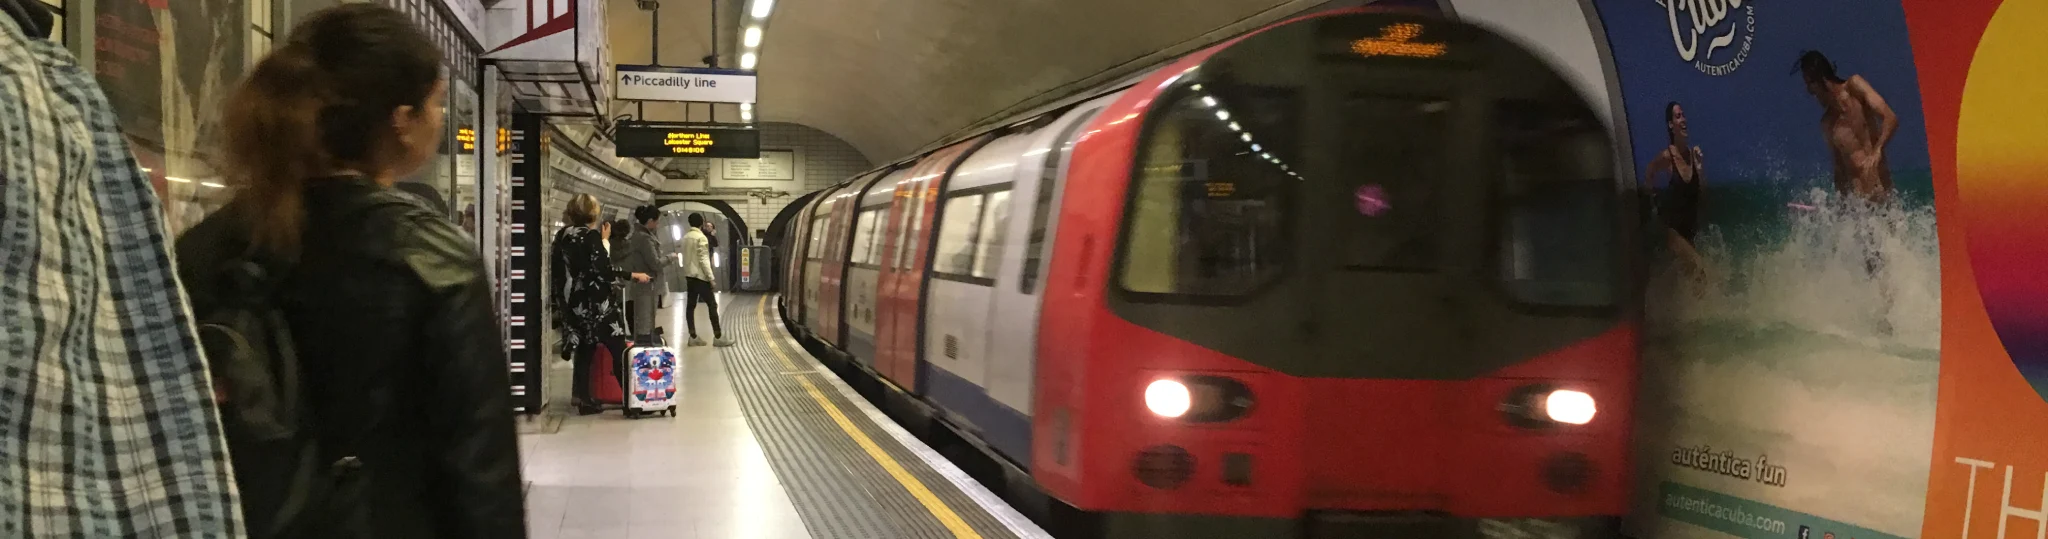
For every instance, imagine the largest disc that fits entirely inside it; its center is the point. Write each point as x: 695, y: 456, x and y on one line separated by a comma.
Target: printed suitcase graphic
x: 654, y: 381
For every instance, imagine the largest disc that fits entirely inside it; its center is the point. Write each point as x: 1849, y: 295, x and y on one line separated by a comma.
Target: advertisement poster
x: 1981, y: 71
x: 1793, y: 343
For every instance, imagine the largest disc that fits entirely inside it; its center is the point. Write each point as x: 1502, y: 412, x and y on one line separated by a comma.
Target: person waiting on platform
x: 639, y: 254
x: 699, y: 281
x: 381, y: 305
x: 586, y: 313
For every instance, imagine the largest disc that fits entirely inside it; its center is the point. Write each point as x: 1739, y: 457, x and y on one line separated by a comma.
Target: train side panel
x: 832, y: 274
x: 903, y: 284
x: 875, y: 205
x: 979, y: 199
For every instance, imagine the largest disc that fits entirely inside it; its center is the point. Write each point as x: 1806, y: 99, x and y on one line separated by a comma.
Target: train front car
x: 1360, y: 272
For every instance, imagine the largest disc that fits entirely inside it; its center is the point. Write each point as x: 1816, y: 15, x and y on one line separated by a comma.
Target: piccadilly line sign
x: 690, y: 84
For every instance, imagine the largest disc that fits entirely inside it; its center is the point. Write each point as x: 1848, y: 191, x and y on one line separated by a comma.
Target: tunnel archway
x: 731, y: 237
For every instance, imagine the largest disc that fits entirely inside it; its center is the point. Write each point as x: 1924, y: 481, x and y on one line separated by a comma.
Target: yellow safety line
x: 924, y: 495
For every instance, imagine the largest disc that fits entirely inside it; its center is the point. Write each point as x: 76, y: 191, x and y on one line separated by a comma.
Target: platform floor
x: 767, y: 444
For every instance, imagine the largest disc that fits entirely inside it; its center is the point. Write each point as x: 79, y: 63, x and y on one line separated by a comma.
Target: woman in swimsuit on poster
x: 1684, y: 171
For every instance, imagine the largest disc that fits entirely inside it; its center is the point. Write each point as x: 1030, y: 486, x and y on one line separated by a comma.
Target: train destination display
x: 639, y: 139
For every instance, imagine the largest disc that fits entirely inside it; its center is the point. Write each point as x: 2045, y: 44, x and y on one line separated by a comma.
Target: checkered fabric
x: 107, y: 426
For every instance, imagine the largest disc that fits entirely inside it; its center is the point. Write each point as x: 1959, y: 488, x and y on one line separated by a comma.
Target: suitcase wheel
x: 671, y: 411
x: 632, y: 413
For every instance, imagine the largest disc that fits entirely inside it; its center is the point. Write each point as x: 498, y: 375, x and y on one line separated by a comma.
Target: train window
x: 1557, y: 192
x: 1041, y: 207
x: 892, y: 237
x: 864, y: 237
x: 818, y: 233
x: 913, y: 230
x: 1207, y: 209
x: 1390, y: 222
x: 957, y: 230
x: 994, y: 218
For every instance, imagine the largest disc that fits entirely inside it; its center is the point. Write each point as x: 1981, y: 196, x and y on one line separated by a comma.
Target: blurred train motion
x: 1360, y: 272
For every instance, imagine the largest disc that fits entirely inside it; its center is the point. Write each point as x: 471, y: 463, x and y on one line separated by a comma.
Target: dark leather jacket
x: 403, y: 357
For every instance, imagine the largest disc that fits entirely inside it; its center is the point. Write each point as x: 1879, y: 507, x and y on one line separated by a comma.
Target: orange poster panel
x: 1986, y: 101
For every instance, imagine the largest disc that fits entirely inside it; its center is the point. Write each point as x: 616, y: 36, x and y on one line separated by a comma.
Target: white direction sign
x: 701, y: 85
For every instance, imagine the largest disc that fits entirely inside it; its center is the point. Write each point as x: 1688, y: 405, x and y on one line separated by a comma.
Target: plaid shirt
x: 107, y: 425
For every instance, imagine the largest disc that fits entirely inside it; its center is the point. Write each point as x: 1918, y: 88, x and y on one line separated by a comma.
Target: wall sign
x: 645, y: 139
x: 703, y: 85
x: 771, y: 165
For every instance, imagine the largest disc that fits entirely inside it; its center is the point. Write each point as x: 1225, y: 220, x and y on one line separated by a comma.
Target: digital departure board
x: 643, y: 139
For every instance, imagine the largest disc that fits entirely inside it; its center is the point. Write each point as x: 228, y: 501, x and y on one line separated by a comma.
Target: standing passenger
x: 106, y: 413
x: 640, y: 255
x: 697, y: 272
x: 586, y: 312
x: 406, y: 427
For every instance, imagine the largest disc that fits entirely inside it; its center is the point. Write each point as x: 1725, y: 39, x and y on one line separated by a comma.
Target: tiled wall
x: 823, y: 160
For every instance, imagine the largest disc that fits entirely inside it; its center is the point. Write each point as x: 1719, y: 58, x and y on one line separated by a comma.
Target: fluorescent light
x: 1208, y: 101
x: 1247, y: 137
x: 1256, y: 148
x: 1197, y: 87
x: 746, y: 106
x: 1222, y: 115
x: 762, y: 8
x: 1266, y: 155
x: 1235, y: 127
x: 753, y: 37
x: 177, y: 179
x: 211, y: 184
x: 747, y: 60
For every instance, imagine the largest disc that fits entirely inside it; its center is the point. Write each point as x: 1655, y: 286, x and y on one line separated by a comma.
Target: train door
x: 806, y: 259
x: 873, y: 205
x: 838, y: 223
x: 1029, y: 231
x: 903, y: 280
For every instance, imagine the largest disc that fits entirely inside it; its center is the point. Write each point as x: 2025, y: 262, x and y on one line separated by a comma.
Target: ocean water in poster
x: 1792, y: 349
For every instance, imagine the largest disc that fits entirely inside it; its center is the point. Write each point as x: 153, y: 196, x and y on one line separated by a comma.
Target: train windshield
x: 1306, y: 183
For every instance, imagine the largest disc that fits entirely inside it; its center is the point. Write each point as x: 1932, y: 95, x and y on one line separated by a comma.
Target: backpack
x: 272, y: 441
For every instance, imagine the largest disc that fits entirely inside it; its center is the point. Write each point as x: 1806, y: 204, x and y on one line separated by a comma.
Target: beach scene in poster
x: 1793, y: 336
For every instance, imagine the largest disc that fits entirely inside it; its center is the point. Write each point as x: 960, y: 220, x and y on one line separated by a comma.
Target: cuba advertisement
x: 1981, y: 72
x: 1793, y: 337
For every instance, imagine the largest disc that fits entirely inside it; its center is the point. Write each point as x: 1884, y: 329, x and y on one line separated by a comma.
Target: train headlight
x: 1198, y: 399
x: 1168, y: 398
x: 1567, y: 406
x: 1539, y: 406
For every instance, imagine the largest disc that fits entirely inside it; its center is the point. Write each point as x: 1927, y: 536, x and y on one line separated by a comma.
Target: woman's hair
x: 582, y: 211
x: 1670, y: 113
x: 322, y: 102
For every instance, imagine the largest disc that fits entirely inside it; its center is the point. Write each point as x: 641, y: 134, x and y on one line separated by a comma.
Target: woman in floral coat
x: 586, y: 312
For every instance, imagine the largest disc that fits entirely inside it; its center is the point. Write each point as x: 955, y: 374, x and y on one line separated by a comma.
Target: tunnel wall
x: 821, y: 160
x: 1818, y: 365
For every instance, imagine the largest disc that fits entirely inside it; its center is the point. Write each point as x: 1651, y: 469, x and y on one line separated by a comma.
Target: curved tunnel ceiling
x: 891, y: 76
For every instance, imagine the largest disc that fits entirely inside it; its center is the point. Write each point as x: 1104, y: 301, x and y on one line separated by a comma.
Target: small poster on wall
x: 772, y: 165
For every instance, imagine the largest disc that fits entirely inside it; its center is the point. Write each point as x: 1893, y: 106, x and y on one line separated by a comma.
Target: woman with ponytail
x: 402, y: 396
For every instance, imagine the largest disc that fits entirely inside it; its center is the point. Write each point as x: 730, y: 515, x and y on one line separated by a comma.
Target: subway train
x: 1362, y: 272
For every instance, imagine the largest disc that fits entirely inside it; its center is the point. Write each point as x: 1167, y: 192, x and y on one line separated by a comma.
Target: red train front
x: 1357, y: 272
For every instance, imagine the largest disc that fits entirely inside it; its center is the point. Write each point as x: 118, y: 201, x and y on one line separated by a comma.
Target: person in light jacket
x: 639, y: 254
x: 698, y: 279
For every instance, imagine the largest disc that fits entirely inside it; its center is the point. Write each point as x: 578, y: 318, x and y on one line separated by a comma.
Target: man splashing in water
x: 1857, y: 124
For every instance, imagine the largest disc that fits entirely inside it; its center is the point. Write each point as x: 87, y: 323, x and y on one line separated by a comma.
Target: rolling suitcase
x: 604, y: 378
x: 651, y: 378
